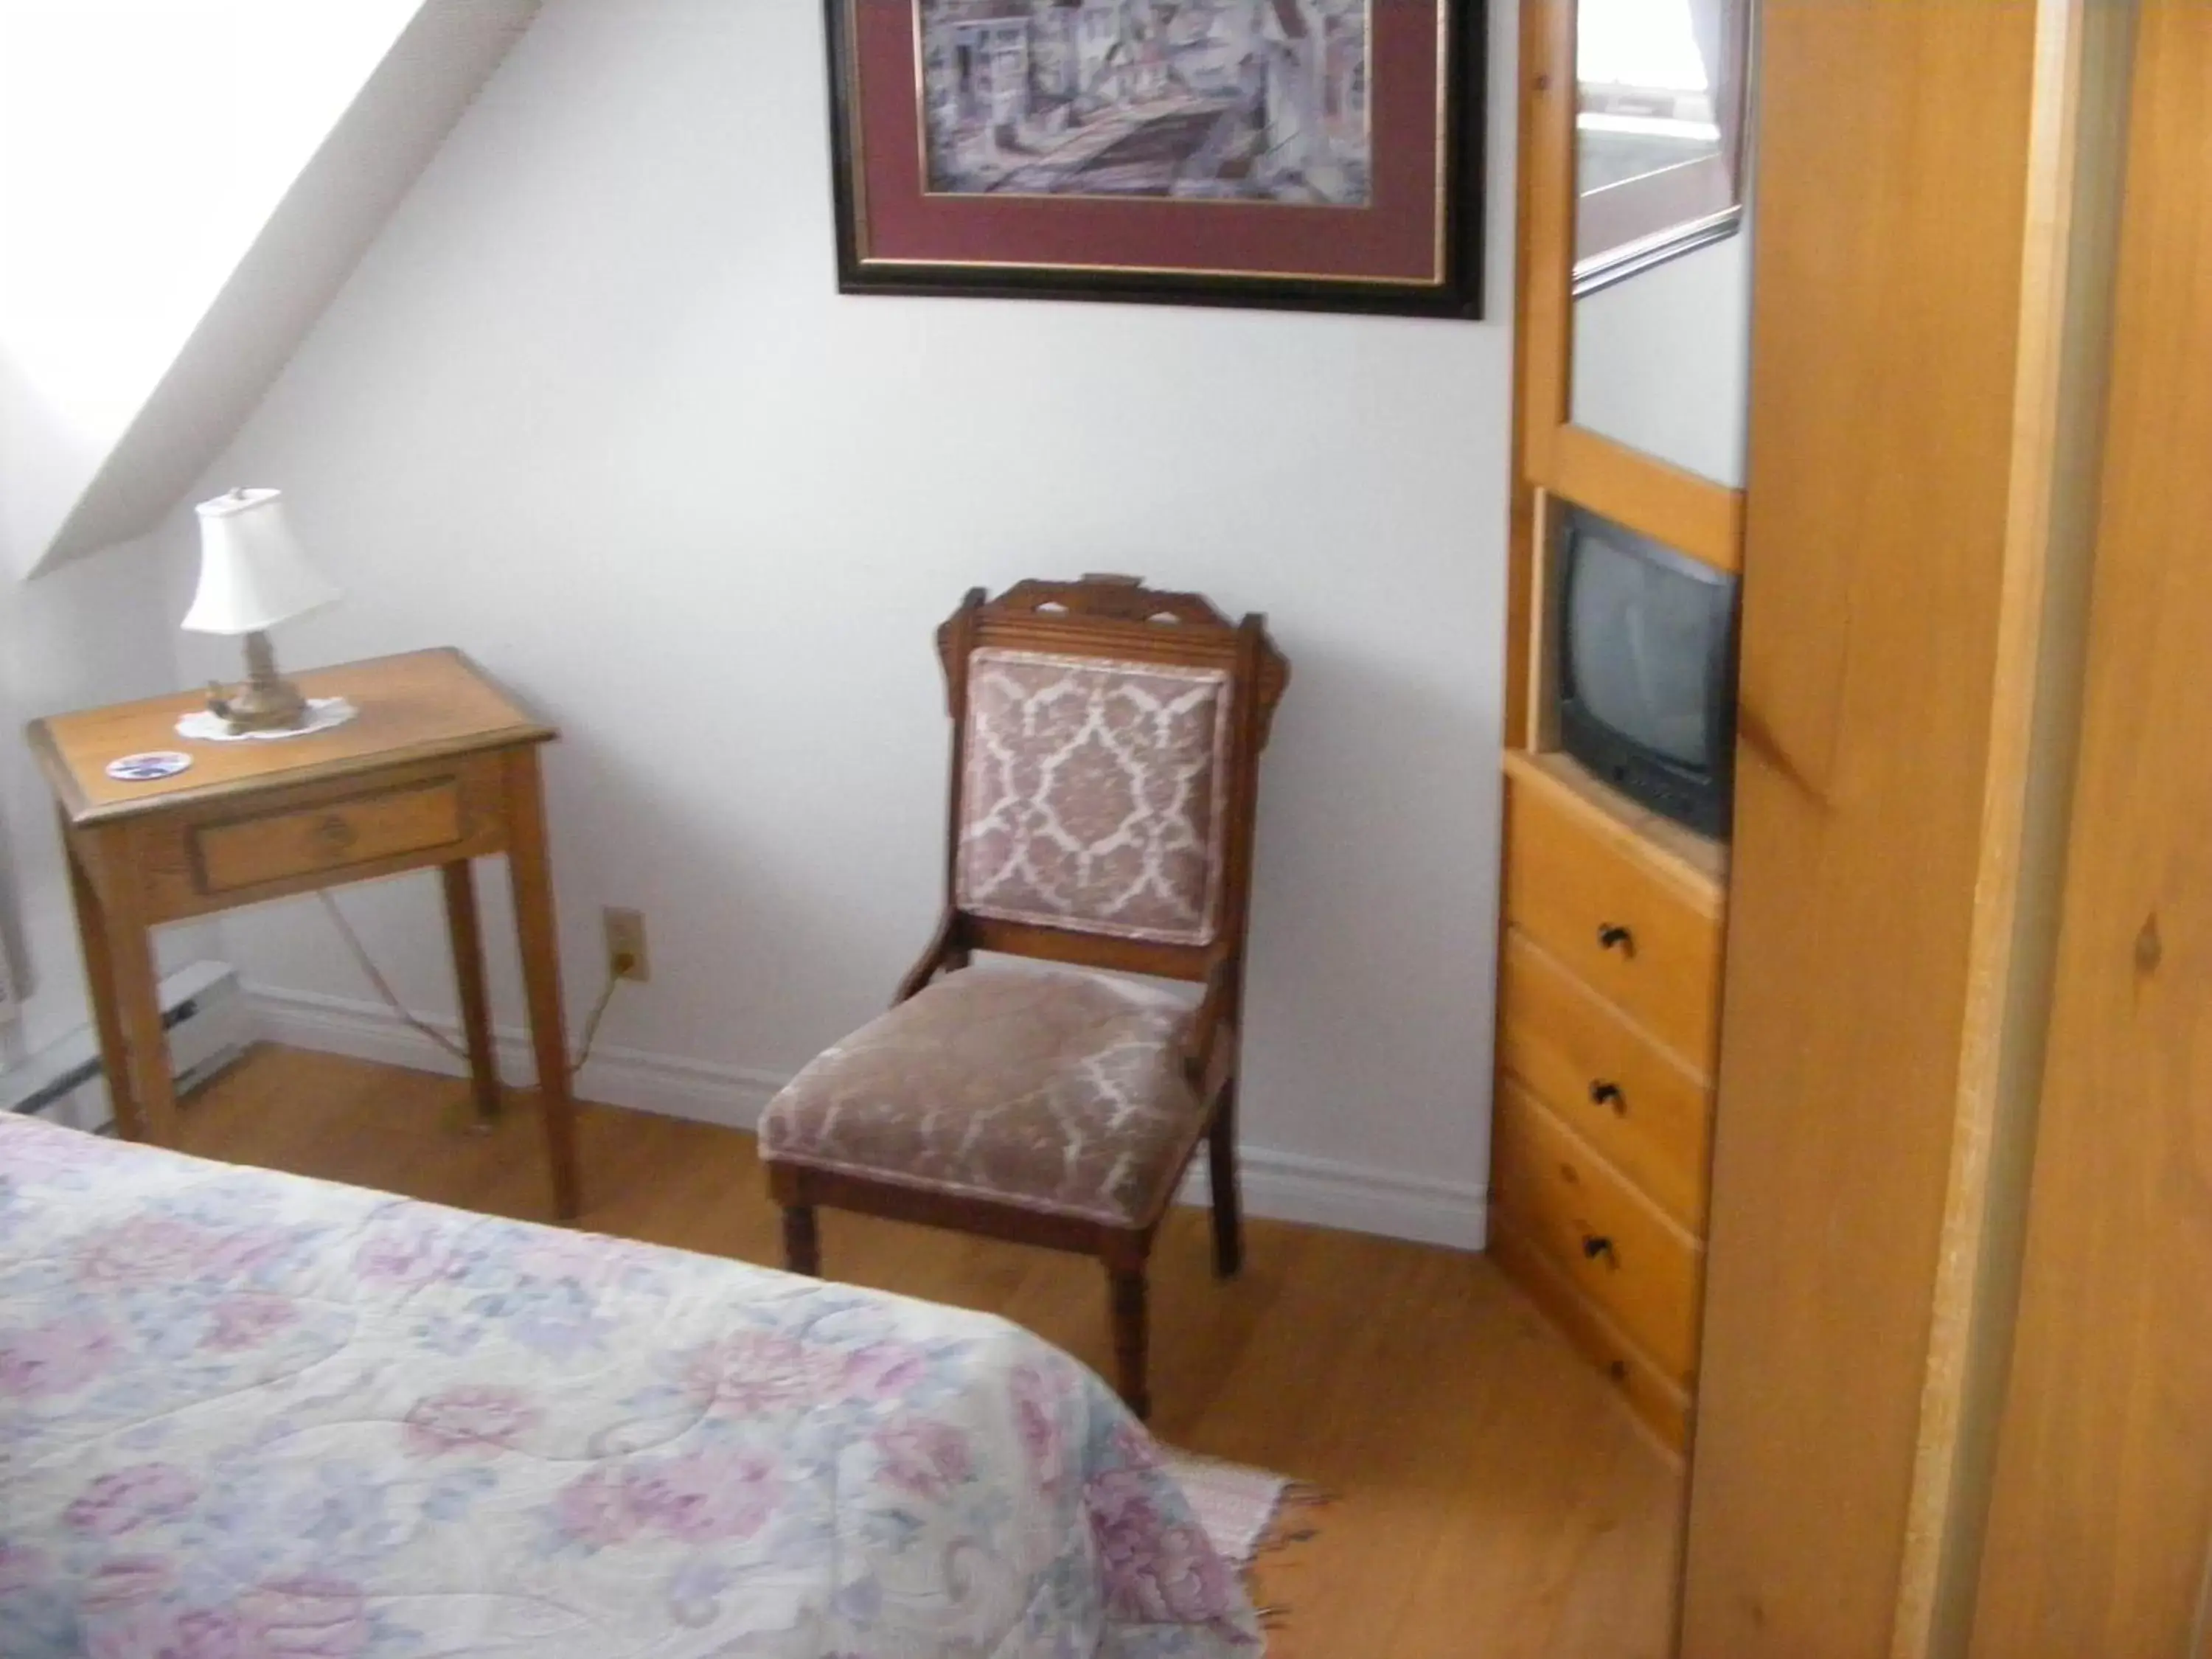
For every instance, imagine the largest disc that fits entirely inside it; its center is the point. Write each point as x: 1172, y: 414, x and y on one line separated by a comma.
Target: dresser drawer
x: 1621, y: 1091
x: 1652, y: 1395
x: 1638, y: 1267
x: 1617, y: 923
x: 251, y: 852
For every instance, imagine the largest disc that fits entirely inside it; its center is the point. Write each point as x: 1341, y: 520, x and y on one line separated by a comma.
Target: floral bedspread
x: 245, y: 1414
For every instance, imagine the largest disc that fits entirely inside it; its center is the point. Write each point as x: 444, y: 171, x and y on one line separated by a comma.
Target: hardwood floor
x: 1491, y: 1498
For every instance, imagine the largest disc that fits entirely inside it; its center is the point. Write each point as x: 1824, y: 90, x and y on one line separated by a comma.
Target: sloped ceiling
x: 122, y: 379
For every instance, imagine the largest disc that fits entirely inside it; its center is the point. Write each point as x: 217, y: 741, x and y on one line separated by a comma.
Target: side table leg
x: 530, y: 870
x: 467, y: 939
x: 107, y: 1010
x: 138, y: 1003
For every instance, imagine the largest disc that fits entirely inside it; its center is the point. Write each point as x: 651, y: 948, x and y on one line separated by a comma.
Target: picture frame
x: 1305, y: 155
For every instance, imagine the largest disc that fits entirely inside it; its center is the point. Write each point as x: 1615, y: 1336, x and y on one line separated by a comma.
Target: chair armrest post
x: 947, y: 947
x: 1209, y: 1049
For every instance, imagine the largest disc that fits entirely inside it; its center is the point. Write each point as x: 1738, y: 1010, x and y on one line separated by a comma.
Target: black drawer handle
x: 1603, y: 1093
x: 1595, y: 1245
x: 1611, y: 936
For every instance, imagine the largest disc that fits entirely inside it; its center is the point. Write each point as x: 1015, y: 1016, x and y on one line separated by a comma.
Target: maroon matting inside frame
x: 1393, y: 238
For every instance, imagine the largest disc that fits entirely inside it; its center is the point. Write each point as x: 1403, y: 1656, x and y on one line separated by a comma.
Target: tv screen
x: 1647, y: 659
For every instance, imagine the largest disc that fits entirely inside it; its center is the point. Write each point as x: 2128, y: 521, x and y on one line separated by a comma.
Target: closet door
x: 2101, y: 1511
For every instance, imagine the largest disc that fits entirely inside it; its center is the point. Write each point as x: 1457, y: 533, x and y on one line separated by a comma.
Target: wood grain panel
x: 1699, y: 517
x: 1547, y: 226
x: 1893, y: 145
x: 2102, y: 1509
x: 1603, y: 908
x: 437, y: 810
x: 1624, y: 1094
x: 266, y: 846
x: 413, y: 707
x: 1616, y: 1249
x: 1695, y: 864
x: 1656, y: 1399
x: 2076, y: 166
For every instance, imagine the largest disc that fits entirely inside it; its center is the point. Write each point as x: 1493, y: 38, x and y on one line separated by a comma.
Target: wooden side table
x: 440, y: 768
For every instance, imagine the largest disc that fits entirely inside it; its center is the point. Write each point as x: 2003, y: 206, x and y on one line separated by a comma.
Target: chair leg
x: 802, y: 1244
x: 1228, y: 1208
x: 1127, y: 1285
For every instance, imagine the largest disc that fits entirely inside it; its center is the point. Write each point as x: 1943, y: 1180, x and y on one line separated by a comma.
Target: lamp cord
x: 422, y: 1026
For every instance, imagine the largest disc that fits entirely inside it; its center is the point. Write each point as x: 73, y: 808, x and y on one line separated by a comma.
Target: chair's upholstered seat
x: 1053, y: 1092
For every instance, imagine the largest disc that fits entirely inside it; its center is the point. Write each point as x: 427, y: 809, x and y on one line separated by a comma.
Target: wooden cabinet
x: 1583, y: 890
x: 1951, y: 1394
x: 1648, y: 1113
x: 439, y: 767
x: 1614, y: 1244
x: 1608, y: 976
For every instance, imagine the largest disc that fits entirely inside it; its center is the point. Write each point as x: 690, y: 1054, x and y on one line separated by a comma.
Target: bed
x: 247, y: 1415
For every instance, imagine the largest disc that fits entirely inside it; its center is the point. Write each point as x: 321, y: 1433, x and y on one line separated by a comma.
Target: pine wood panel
x: 2102, y: 1510
x: 353, y: 830
x: 1551, y: 1187
x: 1572, y: 885
x: 1571, y: 1047
x: 1695, y: 864
x: 1549, y: 96
x: 1492, y: 1495
x: 1660, y: 1400
x: 1694, y: 514
x: 2076, y: 165
x: 1893, y: 145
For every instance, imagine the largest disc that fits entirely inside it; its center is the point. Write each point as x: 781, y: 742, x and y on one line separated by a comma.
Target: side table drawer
x: 253, y: 851
x: 1641, y: 1270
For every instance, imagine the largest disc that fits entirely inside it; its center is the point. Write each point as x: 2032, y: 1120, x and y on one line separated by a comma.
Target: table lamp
x: 253, y: 576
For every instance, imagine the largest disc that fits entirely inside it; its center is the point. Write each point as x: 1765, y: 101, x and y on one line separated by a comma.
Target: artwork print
x: 1319, y: 155
x: 1249, y: 101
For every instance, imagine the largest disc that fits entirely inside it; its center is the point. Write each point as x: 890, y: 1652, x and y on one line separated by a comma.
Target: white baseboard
x: 1282, y: 1186
x: 1354, y: 1199
x: 729, y: 1094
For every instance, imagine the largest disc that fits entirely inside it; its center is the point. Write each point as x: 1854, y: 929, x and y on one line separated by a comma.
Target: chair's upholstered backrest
x: 1106, y: 743
x: 1092, y: 795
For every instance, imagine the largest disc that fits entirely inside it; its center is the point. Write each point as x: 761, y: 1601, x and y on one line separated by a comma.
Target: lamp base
x: 266, y: 703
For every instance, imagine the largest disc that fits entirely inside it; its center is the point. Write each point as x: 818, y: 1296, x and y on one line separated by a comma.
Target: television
x: 1647, y: 669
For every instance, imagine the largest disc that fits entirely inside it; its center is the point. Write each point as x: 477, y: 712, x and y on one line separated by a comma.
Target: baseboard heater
x: 209, y: 1022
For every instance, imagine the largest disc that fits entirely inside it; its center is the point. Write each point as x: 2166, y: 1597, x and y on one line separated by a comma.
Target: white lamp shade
x: 253, y: 575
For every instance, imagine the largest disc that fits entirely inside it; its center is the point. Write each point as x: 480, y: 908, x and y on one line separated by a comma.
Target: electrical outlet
x: 626, y: 953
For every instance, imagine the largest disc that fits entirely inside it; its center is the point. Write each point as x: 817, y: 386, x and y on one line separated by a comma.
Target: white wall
x: 1662, y: 359
x: 95, y: 632
x: 592, y: 410
x: 143, y: 143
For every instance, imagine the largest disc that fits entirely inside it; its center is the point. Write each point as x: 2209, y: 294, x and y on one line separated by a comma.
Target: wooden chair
x: 1105, y: 757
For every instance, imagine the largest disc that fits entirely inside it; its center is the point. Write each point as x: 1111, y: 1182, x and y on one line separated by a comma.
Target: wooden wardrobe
x: 1954, y: 1365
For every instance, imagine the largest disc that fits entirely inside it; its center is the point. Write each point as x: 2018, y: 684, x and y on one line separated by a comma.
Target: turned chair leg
x: 1127, y: 1287
x: 802, y: 1243
x: 1228, y: 1209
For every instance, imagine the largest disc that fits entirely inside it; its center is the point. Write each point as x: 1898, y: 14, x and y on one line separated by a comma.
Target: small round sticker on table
x: 148, y: 767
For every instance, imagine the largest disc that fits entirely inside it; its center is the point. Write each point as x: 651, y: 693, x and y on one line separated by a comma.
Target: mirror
x: 1661, y: 279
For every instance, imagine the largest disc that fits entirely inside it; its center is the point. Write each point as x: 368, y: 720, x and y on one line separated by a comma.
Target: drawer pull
x: 1603, y: 1093
x: 1613, y: 937
x: 1595, y: 1245
x: 335, y: 833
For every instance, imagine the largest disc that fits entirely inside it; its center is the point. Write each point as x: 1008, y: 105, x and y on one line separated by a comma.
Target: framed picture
x: 1319, y: 155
